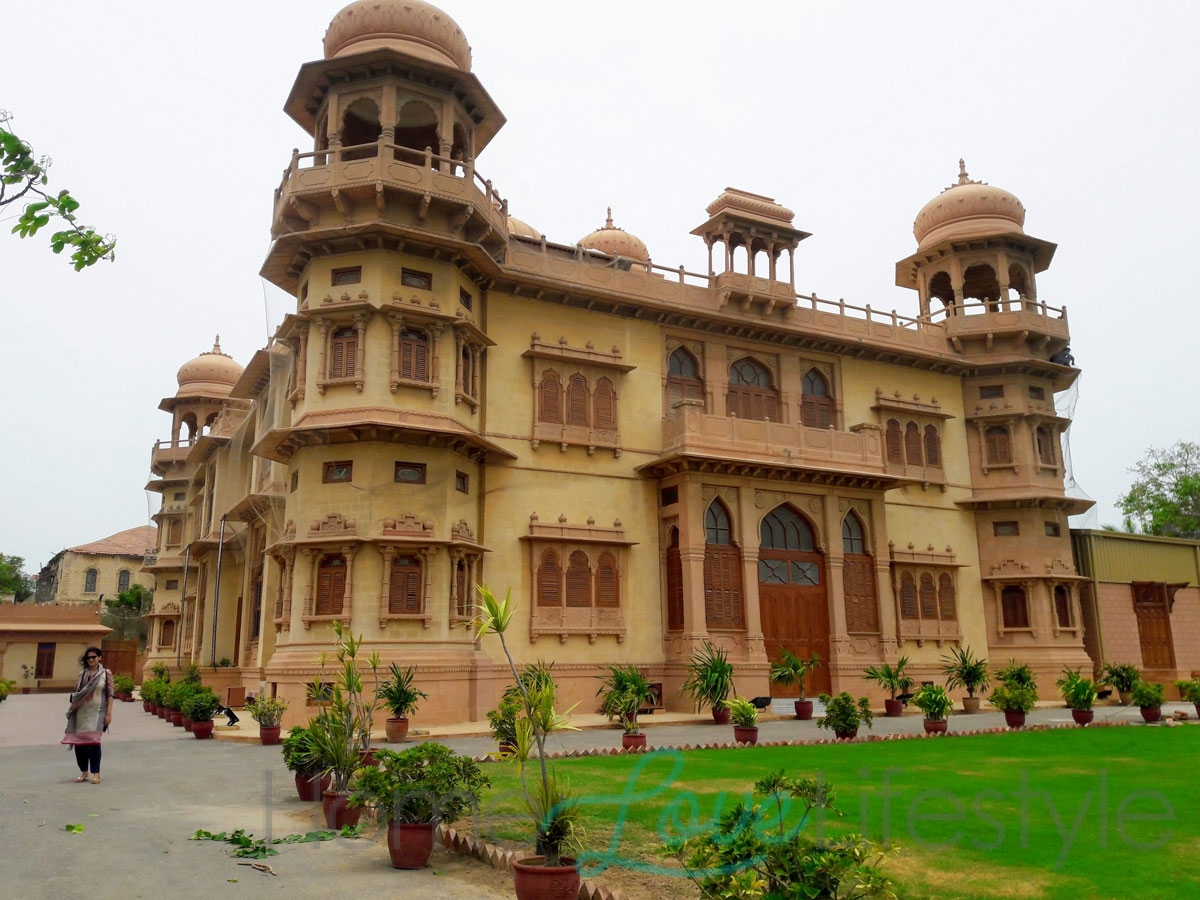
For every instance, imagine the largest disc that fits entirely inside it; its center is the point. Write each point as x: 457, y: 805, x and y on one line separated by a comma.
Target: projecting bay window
x: 912, y: 436
x: 926, y: 587
x: 1014, y: 608
x: 576, y: 398
x: 330, y: 590
x: 343, y: 353
x: 404, y: 592
x: 415, y: 360
x: 469, y: 347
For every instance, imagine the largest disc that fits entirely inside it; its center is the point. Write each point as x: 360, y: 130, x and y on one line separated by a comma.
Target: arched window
x: 858, y: 579
x: 1045, y: 446
x: 414, y: 354
x: 783, y: 529
x: 940, y: 288
x: 608, y: 588
x: 189, y: 424
x: 751, y: 395
x: 343, y: 353
x: 928, y: 597
x: 908, y: 596
x: 122, y: 581
x: 89, y: 581
x: 716, y: 524
x: 166, y: 637
x: 331, y: 586
x: 1062, y: 607
x: 405, y: 587
x: 816, y: 405
x: 980, y: 283
x: 549, y: 579
x: 894, y: 442
x: 999, y: 449
x: 550, y: 398
x: 683, y: 378
x: 1014, y: 608
x: 852, y: 535
x: 174, y: 532
x: 947, y: 602
x: 912, y: 444
x: 933, y: 447
x: 416, y: 129
x: 577, y: 400
x: 674, y: 584
x: 360, y: 125
x: 604, y: 403
x: 722, y: 572
x: 579, y: 580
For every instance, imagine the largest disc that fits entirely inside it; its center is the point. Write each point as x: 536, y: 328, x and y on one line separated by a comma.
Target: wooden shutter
x: 894, y: 442
x: 166, y: 637
x: 577, y: 400
x: 174, y: 532
x: 343, y: 350
x: 999, y: 452
x: 947, y: 600
x: 414, y: 355
x: 579, y: 580
x: 912, y: 444
x: 933, y: 447
x: 674, y: 584
x: 461, y: 601
x: 605, y: 404
x: 1014, y: 608
x: 550, y: 398
x: 723, y: 587
x: 908, y: 596
x: 549, y: 592
x: 1062, y: 607
x: 1045, y: 446
x: 608, y: 588
x: 43, y: 665
x: 405, y: 595
x: 858, y: 586
x: 928, y: 597
x: 331, y: 587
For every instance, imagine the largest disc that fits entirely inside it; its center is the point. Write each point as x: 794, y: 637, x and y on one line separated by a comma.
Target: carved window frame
x: 432, y: 328
x: 576, y: 375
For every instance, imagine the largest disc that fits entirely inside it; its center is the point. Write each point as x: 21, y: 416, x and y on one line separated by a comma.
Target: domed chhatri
x: 968, y: 209
x: 210, y: 374
x: 523, y: 229
x: 411, y: 26
x: 615, y: 241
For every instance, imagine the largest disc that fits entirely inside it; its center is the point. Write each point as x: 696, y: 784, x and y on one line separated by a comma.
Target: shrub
x: 1077, y: 692
x: 267, y: 711
x: 933, y: 700
x: 297, y: 750
x: 1015, y: 697
x: 1121, y: 676
x: 123, y: 684
x: 1016, y: 674
x: 1148, y: 694
x: 201, y: 705
x: 424, y: 785
x: 843, y: 714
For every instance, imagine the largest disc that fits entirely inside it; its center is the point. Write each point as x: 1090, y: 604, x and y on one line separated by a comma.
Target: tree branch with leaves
x: 1164, y: 498
x: 24, y: 175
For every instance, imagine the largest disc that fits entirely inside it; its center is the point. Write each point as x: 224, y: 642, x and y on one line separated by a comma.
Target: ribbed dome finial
x: 963, y: 177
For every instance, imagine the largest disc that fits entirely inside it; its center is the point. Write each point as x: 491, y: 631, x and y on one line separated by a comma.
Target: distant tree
x: 1164, y: 498
x: 13, y: 579
x: 125, y: 615
x: 25, y: 175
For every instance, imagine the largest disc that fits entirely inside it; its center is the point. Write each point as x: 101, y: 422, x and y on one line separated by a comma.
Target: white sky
x: 165, y: 120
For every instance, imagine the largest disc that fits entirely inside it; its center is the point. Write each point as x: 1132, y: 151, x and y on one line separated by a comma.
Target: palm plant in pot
x: 555, y: 812
x: 892, y: 679
x: 1148, y: 696
x: 933, y: 700
x: 268, y: 713
x: 710, y: 681
x: 791, y: 671
x: 400, y: 695
x: 1121, y: 677
x: 415, y: 790
x: 334, y: 754
x: 200, y: 706
x: 963, y: 669
x: 844, y: 715
x: 1079, y: 694
x: 300, y: 757
x: 624, y: 691
x: 745, y: 720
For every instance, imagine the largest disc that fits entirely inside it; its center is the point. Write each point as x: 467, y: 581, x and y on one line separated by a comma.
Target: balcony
x: 166, y: 453
x: 1029, y: 320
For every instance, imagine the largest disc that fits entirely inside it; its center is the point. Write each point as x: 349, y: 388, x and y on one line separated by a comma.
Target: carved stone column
x: 360, y: 355
x: 310, y: 557
x: 386, y: 553
x: 322, y: 368
x: 397, y: 323
x: 348, y: 595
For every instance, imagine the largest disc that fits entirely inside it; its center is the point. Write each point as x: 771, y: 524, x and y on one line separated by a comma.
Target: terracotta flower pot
x: 1151, y: 713
x: 534, y: 881
x: 311, y: 787
x: 1126, y: 697
x: 147, y: 706
x: 397, y: 731
x: 846, y: 735
x: 366, y: 758
x: 1083, y: 716
x: 160, y: 711
x: 337, y: 813
x: 893, y: 708
x: 970, y: 705
x: 633, y: 741
x: 1197, y: 705
x: 745, y: 735
x: 176, y: 718
x: 804, y: 710
x: 202, y: 730
x: 1014, y: 719
x: 268, y: 735
x: 409, y: 846
x: 187, y: 723
x: 936, y: 726
x: 721, y: 715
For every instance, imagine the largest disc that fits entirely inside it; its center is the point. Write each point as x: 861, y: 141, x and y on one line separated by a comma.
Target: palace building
x: 649, y: 458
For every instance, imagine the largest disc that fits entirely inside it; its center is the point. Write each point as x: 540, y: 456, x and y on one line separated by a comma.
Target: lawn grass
x: 1070, y: 814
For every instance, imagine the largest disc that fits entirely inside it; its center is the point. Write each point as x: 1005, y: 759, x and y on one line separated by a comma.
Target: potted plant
x: 555, y: 812
x: 267, y: 712
x: 1014, y: 700
x: 710, y: 681
x: 933, y: 700
x: 503, y: 720
x: 1148, y: 696
x: 334, y: 754
x: 400, y: 696
x: 200, y: 706
x: 174, y: 697
x: 892, y: 679
x: 415, y: 790
x: 844, y: 714
x: 300, y: 758
x: 791, y: 671
x: 1015, y: 673
x: 963, y: 669
x: 149, y: 694
x: 123, y: 688
x: 1079, y: 694
x: 6, y: 686
x: 1190, y: 692
x: 745, y: 720
x: 624, y: 691
x: 1121, y: 677
x: 27, y: 673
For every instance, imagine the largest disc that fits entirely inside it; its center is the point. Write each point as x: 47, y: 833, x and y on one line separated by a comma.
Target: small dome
x: 211, y: 374
x: 522, y: 229
x: 968, y: 209
x: 615, y: 242
x: 410, y: 26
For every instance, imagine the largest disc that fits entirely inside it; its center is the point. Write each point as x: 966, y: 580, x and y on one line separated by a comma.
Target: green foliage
x: 891, y: 678
x: 152, y: 689
x: 963, y: 669
x: 13, y: 579
x: 398, y: 692
x: 331, y: 750
x: 710, y: 677
x: 623, y: 692
x: 123, y: 684
x: 1148, y: 694
x: 1015, y: 697
x: 162, y: 672
x: 743, y: 713
x: 844, y: 714
x: 1189, y: 690
x: 1077, y: 692
x: 755, y: 852
x: 250, y: 847
x: 1016, y: 674
x: 201, y: 704
x: 267, y: 711
x: 27, y: 175
x: 503, y: 719
x: 1121, y: 676
x: 791, y: 670
x: 424, y: 785
x: 175, y: 694
x: 298, y: 750
x: 933, y: 700
x: 1165, y: 495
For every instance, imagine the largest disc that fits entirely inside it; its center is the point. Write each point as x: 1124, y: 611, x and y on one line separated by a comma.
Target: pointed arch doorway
x: 792, y: 596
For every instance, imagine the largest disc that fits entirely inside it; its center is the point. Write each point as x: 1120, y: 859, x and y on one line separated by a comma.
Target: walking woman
x: 89, y: 714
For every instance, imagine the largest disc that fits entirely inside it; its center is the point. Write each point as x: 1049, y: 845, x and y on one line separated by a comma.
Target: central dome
x: 211, y: 374
x: 968, y: 209
x: 411, y: 26
x: 615, y: 241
